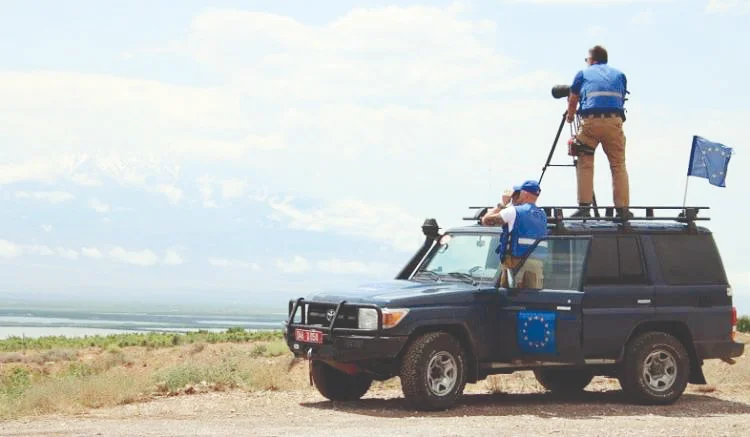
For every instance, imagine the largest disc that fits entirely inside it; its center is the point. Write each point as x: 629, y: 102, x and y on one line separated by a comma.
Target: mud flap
x: 309, y: 366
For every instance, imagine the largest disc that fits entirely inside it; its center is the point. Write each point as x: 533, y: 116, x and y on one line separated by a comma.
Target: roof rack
x: 688, y: 215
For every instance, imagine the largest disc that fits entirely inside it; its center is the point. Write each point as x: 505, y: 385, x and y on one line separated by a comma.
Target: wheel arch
x: 679, y: 330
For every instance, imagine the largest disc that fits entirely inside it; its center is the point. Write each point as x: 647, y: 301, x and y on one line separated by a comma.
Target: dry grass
x: 68, y: 382
x: 61, y: 380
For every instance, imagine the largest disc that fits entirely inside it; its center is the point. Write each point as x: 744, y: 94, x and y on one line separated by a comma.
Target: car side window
x: 689, y: 259
x: 554, y: 264
x: 615, y: 261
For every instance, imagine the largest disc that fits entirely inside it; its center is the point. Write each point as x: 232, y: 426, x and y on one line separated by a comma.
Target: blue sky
x: 268, y: 149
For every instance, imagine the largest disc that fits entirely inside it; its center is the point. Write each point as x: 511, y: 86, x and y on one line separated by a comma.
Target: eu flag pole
x: 708, y: 160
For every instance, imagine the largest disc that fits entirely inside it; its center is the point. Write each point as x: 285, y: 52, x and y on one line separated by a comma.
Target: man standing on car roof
x: 600, y: 91
x: 523, y: 223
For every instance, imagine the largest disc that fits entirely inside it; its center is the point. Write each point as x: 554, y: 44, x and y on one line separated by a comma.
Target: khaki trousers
x: 531, y: 274
x: 608, y: 132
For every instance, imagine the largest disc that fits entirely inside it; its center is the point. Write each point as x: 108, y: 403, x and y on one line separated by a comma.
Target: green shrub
x: 15, y: 382
x: 220, y: 376
x: 150, y: 340
x: 743, y: 324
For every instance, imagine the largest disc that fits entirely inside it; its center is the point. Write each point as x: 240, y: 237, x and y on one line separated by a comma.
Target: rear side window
x: 615, y: 260
x: 689, y: 259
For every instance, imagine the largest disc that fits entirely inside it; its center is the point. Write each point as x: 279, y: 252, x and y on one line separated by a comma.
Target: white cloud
x: 724, y: 6
x: 85, y: 179
x: 233, y: 188
x: 91, y: 252
x: 234, y: 264
x: 36, y: 169
x: 47, y: 228
x: 8, y: 249
x: 173, y: 258
x: 144, y: 257
x: 49, y: 196
x: 297, y: 264
x: 67, y: 253
x: 99, y: 206
x: 386, y: 223
x: 205, y: 188
x: 173, y: 193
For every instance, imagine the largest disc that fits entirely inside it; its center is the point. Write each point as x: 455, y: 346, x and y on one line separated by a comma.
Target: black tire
x: 664, y: 380
x: 336, y: 385
x: 422, y: 388
x: 563, y: 381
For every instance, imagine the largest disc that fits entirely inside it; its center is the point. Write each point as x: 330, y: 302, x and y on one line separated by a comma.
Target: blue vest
x: 530, y: 225
x: 603, y: 90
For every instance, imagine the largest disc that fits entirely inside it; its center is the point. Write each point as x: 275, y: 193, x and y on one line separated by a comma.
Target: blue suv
x: 645, y: 301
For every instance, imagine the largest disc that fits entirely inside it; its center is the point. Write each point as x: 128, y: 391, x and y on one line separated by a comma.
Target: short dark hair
x: 598, y: 54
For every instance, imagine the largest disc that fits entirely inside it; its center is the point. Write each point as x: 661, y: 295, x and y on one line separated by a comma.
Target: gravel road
x: 724, y: 412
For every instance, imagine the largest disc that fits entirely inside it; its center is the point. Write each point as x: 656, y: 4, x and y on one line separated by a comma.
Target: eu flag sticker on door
x: 536, y: 332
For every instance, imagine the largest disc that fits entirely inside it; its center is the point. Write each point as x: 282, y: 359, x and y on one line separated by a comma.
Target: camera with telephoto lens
x: 560, y: 91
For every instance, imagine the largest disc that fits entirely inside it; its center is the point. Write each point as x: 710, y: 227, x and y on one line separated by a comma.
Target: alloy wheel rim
x: 442, y: 374
x: 660, y: 370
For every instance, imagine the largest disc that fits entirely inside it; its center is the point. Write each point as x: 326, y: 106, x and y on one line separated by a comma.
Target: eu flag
x: 709, y: 160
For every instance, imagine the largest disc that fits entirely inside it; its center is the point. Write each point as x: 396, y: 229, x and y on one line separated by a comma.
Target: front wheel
x: 656, y: 369
x: 433, y: 371
x: 336, y: 385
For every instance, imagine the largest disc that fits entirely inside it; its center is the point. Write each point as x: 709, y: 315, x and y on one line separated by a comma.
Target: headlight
x: 368, y: 317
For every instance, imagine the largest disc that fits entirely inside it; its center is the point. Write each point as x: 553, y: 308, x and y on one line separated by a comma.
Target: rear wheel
x: 656, y: 369
x: 337, y: 385
x: 433, y: 371
x: 563, y: 381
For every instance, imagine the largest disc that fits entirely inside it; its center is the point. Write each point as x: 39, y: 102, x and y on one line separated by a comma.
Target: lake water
x: 38, y: 323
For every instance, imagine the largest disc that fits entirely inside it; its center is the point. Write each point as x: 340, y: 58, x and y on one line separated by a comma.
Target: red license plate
x: 306, y: 336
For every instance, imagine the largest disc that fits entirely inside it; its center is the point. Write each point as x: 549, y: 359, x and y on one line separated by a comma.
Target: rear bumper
x: 348, y: 349
x: 720, y: 349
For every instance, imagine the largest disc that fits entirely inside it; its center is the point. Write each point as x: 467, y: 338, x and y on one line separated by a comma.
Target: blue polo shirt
x: 601, y: 89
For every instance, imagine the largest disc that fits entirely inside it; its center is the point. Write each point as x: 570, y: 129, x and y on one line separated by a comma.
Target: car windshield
x: 467, y: 257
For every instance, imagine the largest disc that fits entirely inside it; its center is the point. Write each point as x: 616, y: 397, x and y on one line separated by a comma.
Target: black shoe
x: 628, y: 215
x: 584, y: 211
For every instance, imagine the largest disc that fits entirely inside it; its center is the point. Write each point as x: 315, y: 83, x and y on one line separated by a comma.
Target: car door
x: 543, y: 322
x: 617, y: 295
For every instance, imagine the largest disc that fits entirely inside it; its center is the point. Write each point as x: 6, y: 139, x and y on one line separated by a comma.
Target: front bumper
x: 720, y: 349
x: 348, y: 349
x: 344, y: 345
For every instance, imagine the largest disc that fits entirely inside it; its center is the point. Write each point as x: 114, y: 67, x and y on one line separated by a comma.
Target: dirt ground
x: 508, y: 405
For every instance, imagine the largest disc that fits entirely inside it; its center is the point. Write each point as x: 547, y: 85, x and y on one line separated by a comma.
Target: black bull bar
x: 331, y: 330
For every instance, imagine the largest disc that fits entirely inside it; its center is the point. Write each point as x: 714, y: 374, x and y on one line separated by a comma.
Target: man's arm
x: 492, y: 218
x: 572, y: 104
x: 574, y: 96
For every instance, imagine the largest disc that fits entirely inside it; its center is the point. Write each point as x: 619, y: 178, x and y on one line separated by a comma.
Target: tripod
x: 574, y: 164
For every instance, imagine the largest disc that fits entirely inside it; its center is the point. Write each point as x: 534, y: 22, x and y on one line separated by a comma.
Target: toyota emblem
x: 330, y: 314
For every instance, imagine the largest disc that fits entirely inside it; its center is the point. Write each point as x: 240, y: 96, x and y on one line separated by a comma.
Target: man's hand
x: 570, y: 117
x: 507, y: 194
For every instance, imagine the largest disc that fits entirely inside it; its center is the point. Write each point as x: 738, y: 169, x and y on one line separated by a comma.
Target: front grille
x: 318, y: 314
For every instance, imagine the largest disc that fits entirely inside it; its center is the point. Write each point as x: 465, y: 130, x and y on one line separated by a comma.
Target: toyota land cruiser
x: 645, y: 301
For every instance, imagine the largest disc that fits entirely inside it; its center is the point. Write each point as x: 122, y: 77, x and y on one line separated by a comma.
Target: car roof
x: 593, y: 227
